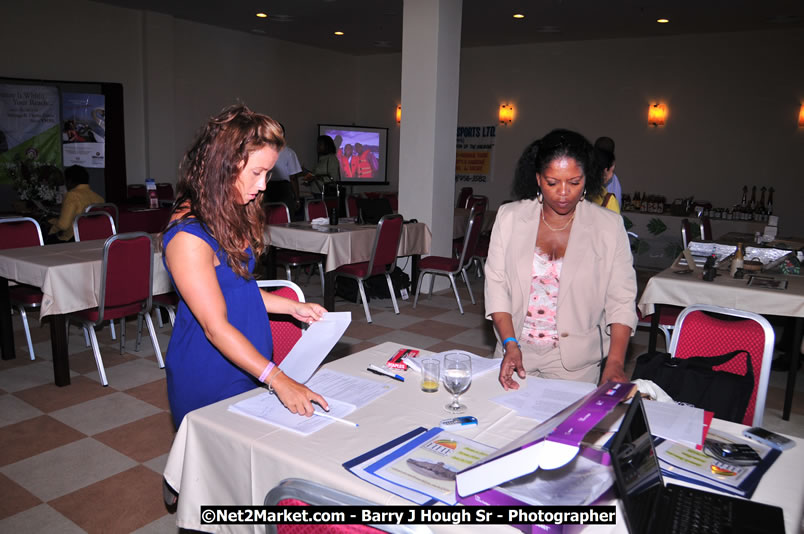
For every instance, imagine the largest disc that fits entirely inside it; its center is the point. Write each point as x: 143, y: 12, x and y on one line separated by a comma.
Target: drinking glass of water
x: 457, y: 372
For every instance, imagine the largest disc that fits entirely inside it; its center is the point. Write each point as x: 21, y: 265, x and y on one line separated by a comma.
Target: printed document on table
x: 352, y: 389
x: 267, y: 408
x: 542, y: 398
x: 480, y: 365
x: 311, y: 349
x: 676, y: 422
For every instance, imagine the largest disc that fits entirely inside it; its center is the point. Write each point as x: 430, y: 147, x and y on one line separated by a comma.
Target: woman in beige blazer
x: 560, y: 285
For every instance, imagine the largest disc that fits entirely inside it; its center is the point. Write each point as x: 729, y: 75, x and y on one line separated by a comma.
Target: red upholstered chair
x: 20, y: 232
x: 278, y: 213
x: 351, y: 206
x: 686, y: 233
x: 299, y: 492
x: 164, y: 191
x: 443, y: 266
x: 285, y: 330
x: 93, y: 225
x: 314, y: 209
x: 668, y: 315
x: 125, y: 289
x: 699, y: 333
x: 463, y: 196
x: 382, y: 261
x: 108, y: 207
x: 706, y: 228
x: 136, y: 193
x: 479, y: 201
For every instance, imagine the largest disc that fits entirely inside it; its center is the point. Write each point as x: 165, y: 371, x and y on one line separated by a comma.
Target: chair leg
x: 158, y: 310
x: 393, y: 295
x: 27, y: 328
x: 154, y: 341
x: 418, y: 289
x: 111, y: 327
x: 86, y: 335
x: 668, y: 334
x: 171, y: 316
x: 96, y: 351
x: 321, y: 273
x: 287, y: 273
x: 432, y: 283
x: 455, y: 290
x: 122, y: 333
x: 139, y: 333
x: 365, y: 301
x: 465, y: 276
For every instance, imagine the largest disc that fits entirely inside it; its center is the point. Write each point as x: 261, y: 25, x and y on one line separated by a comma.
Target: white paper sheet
x: 267, y: 408
x: 480, y: 365
x: 354, y: 390
x: 682, y: 424
x: 308, y: 353
x: 542, y: 398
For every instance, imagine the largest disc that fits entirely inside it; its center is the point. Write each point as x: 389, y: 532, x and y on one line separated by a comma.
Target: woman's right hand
x: 512, y: 362
x: 296, y: 397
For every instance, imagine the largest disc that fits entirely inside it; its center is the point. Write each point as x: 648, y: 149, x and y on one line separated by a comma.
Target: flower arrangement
x: 35, y: 181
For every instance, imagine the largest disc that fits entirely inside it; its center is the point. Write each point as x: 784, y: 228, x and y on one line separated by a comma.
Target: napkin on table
x: 320, y: 221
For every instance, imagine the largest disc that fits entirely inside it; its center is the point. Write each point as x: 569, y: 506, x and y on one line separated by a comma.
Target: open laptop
x: 651, y: 507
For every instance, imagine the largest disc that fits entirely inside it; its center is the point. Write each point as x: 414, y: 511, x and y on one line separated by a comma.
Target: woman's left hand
x: 308, y: 312
x: 615, y: 372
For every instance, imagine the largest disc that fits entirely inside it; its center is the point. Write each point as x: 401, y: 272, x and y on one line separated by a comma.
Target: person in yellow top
x: 78, y: 197
x: 606, y: 195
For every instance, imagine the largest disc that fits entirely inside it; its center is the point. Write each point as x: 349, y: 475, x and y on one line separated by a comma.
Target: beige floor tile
x: 15, y: 499
x: 68, y: 468
x: 27, y: 376
x: 143, y: 439
x: 33, y: 436
x: 40, y: 518
x: 14, y: 410
x: 104, y: 413
x: 50, y: 397
x: 153, y: 393
x: 432, y: 327
x: 133, y: 373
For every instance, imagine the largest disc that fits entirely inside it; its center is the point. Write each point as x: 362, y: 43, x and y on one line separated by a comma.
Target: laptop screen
x: 636, y: 469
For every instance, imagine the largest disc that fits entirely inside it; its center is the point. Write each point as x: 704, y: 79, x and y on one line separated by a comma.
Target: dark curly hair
x: 207, y: 186
x: 556, y: 144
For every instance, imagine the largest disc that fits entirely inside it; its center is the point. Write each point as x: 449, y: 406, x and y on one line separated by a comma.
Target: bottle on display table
x: 769, y: 207
x: 738, y: 261
x: 744, y: 199
x: 753, y: 204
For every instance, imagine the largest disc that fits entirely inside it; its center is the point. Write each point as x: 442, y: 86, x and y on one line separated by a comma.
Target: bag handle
x: 714, y: 361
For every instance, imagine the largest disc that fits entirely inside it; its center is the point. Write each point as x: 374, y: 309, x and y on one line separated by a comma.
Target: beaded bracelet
x: 265, y: 371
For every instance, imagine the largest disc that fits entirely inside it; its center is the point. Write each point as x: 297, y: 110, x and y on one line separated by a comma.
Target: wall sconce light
x: 506, y: 114
x: 398, y: 114
x: 657, y: 114
x: 801, y: 117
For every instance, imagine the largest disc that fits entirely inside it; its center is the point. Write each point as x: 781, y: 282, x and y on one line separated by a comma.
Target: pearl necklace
x: 558, y: 229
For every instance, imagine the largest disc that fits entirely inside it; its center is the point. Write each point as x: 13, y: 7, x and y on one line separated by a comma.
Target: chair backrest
x: 386, y: 244
x: 351, y: 205
x: 276, y: 213
x: 471, y: 237
x: 299, y: 492
x: 285, y: 330
x: 135, y: 191
x: 686, y: 233
x: 164, y: 191
x: 19, y: 232
x: 314, y: 209
x: 697, y: 333
x: 706, y: 228
x: 393, y: 199
x: 478, y: 201
x: 126, y: 272
x: 463, y: 196
x: 93, y: 225
x: 108, y: 207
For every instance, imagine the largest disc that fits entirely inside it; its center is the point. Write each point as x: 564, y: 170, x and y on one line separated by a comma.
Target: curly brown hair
x: 208, y: 174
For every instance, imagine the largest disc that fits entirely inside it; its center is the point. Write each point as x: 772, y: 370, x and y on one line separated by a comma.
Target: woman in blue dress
x: 221, y: 343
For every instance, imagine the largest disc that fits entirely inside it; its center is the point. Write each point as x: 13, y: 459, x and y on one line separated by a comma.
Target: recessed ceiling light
x: 262, y: 15
x: 519, y: 16
x: 339, y: 33
x: 662, y: 21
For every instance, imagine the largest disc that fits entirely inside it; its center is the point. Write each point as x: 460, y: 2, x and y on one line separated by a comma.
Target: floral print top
x: 540, y: 321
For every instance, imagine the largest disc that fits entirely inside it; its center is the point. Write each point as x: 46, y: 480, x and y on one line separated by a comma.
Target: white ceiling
x: 375, y: 26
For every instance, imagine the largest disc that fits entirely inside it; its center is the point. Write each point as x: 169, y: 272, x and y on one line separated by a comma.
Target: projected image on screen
x: 361, y: 152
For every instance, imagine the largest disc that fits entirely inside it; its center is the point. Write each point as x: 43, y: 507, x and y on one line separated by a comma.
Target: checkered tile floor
x: 85, y: 458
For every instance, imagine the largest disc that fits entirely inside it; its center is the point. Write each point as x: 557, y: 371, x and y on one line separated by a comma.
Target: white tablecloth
x: 69, y: 274
x: 220, y: 458
x: 345, y: 243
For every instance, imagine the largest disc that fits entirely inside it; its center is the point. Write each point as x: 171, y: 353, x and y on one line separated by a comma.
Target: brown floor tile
x: 423, y: 311
x: 153, y: 393
x: 143, y: 439
x: 84, y: 362
x: 15, y: 499
x: 33, y: 436
x: 775, y: 399
x: 435, y: 329
x: 342, y: 350
x: 122, y: 503
x: 361, y: 330
x: 21, y: 359
x: 50, y: 397
x: 449, y: 345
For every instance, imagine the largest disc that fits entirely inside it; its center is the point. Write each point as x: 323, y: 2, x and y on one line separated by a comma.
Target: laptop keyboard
x: 697, y: 511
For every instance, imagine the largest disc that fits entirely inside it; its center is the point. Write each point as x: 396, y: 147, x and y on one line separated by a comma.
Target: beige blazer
x: 597, y: 284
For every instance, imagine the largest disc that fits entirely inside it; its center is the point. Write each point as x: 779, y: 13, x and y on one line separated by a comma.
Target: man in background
x: 284, y: 183
x: 78, y: 197
x: 605, y: 148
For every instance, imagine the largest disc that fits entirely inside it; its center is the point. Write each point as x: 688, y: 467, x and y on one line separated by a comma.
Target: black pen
x: 380, y: 371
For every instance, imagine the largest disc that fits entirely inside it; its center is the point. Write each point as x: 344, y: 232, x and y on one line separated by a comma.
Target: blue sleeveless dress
x: 197, y: 373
